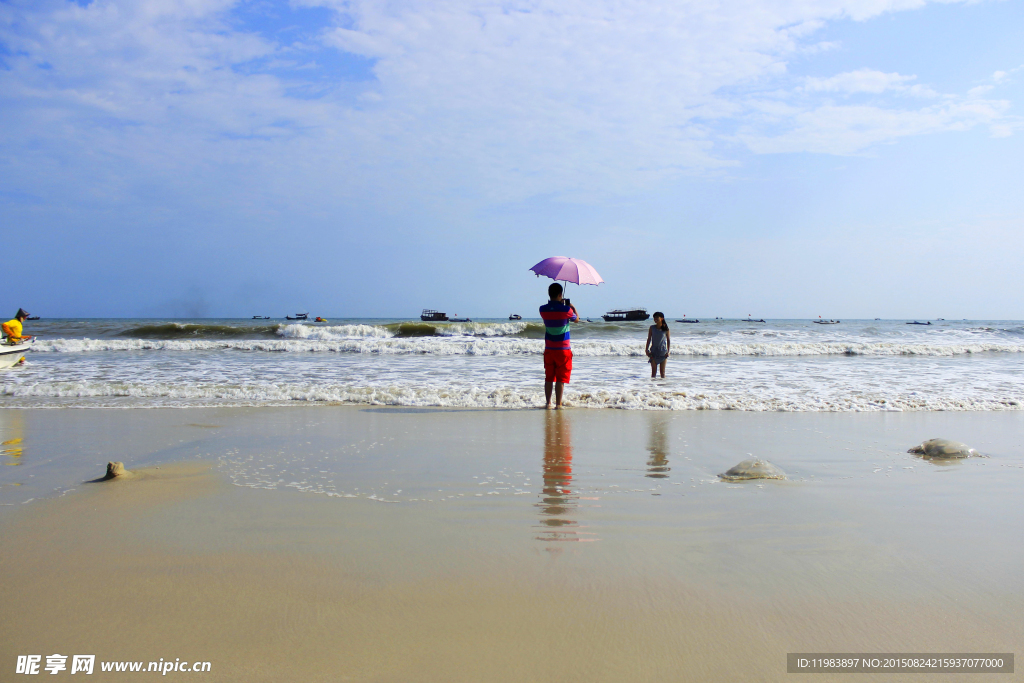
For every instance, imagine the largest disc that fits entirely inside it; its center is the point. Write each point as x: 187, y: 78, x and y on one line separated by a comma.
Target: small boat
x: 318, y: 319
x: 515, y: 316
x: 920, y: 323
x: 627, y: 314
x: 298, y: 316
x: 261, y: 317
x: 460, y: 320
x: 11, y: 354
x: 430, y: 315
x: 688, y: 320
x: 36, y: 317
x: 751, y: 320
x: 825, y: 322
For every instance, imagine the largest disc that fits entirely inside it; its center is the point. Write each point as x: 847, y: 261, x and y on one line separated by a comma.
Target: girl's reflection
x: 657, y: 446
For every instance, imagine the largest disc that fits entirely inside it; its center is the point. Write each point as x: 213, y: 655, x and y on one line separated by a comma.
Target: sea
x: 776, y: 365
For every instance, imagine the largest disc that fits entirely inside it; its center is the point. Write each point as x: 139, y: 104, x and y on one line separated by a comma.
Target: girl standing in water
x: 658, y: 344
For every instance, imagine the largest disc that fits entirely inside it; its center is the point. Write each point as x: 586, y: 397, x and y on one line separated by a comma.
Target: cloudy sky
x: 783, y: 158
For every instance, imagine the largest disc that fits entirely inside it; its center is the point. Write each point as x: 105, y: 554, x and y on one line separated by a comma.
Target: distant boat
x: 430, y: 315
x: 629, y: 314
x: 751, y: 320
x: 298, y: 316
x: 515, y: 316
x: 688, y: 320
x: 826, y: 322
x: 319, y: 320
x: 920, y: 323
x: 460, y: 320
x: 261, y: 317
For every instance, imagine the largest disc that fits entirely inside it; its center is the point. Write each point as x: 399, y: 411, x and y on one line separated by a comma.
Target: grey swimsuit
x: 659, y: 345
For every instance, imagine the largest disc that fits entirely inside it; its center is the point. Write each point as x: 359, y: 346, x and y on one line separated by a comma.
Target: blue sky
x: 784, y: 158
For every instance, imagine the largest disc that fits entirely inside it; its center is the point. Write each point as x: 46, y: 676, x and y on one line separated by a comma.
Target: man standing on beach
x: 557, y: 355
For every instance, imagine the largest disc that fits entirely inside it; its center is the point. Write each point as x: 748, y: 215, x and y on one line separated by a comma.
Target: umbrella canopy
x: 568, y: 270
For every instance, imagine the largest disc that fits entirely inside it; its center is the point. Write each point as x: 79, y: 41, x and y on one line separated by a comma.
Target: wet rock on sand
x: 944, y: 448
x: 754, y: 468
x: 115, y: 470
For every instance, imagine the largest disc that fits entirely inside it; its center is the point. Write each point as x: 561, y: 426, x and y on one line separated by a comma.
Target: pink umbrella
x: 568, y: 270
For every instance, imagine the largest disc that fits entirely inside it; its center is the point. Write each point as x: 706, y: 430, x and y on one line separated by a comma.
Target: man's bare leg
x: 558, y: 395
x: 547, y: 395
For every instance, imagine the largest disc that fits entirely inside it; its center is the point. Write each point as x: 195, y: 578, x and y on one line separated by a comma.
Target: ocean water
x: 780, y: 365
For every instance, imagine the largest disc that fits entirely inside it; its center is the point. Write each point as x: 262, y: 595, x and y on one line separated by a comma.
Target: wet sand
x: 517, y: 545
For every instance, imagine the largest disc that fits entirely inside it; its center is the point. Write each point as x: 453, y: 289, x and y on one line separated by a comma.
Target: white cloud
x: 498, y: 101
x: 860, y: 81
x: 849, y: 129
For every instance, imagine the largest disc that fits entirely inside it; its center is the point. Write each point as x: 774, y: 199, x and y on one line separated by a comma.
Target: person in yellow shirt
x: 12, y: 328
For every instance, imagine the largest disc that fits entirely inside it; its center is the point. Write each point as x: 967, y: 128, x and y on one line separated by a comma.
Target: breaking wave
x: 327, y: 332
x: 198, y: 331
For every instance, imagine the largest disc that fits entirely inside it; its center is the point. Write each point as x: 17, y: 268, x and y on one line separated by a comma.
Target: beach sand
x: 517, y: 546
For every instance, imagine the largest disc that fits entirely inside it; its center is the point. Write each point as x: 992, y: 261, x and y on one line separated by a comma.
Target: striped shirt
x: 556, y: 316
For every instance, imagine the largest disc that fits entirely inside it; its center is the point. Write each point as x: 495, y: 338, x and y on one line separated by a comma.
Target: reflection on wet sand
x: 12, y: 431
x: 558, y: 504
x: 657, y: 446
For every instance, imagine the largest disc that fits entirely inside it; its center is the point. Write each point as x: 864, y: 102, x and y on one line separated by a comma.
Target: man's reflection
x: 558, y: 501
x: 657, y: 446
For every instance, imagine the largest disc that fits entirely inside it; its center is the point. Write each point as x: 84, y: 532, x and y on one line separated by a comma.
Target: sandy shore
x: 430, y: 545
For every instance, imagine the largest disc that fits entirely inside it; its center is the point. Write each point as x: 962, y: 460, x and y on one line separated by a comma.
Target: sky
x: 779, y: 158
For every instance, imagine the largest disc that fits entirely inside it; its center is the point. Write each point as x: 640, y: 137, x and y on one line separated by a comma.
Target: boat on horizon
x: 688, y: 320
x: 751, y: 320
x: 920, y: 323
x: 515, y: 316
x: 626, y: 314
x: 298, y: 316
x: 825, y: 322
x: 431, y: 316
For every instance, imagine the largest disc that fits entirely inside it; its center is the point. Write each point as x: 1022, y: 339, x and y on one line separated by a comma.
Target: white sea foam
x: 452, y: 396
x: 370, y: 343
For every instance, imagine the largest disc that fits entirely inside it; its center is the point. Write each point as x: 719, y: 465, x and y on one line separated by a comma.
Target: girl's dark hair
x: 664, y: 323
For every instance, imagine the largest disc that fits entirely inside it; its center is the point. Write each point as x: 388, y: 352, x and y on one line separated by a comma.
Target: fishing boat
x: 920, y: 323
x: 430, y: 315
x: 261, y: 317
x: 515, y: 316
x: 36, y: 317
x: 298, y: 316
x: 460, y: 320
x: 825, y: 322
x: 688, y: 320
x: 627, y: 314
x: 11, y: 354
x: 751, y: 320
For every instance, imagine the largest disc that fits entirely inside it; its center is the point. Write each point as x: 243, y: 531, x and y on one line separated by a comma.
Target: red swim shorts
x: 557, y: 365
